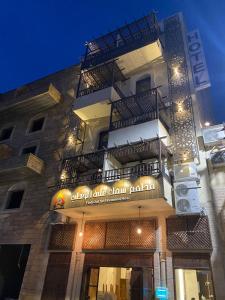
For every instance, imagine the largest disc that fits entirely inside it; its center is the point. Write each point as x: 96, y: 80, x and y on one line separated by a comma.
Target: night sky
x: 39, y: 37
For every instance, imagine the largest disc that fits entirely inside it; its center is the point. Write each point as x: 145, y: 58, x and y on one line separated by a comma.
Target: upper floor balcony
x: 136, y: 42
x: 14, y: 167
x: 29, y: 99
x: 139, y: 108
x: 97, y: 88
x: 124, y: 162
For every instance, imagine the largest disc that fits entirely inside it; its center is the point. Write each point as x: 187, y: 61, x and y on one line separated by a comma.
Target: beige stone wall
x: 30, y: 223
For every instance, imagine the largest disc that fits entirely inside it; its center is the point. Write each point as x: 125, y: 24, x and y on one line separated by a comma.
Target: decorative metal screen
x: 119, y: 235
x: 62, y: 237
x: 94, y: 235
x: 183, y: 127
x: 188, y: 233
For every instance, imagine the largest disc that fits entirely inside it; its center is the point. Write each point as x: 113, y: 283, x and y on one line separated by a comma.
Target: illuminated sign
x: 162, y: 293
x: 197, y: 59
x: 145, y: 187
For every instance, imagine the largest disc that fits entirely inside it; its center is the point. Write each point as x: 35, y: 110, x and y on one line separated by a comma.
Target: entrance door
x: 56, y: 276
x: 113, y: 281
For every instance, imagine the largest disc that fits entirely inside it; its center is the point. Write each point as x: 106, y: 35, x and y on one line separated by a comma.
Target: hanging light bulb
x: 139, y: 230
x: 82, y: 225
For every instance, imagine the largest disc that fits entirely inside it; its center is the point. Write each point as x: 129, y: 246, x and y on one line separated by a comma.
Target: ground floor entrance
x: 118, y: 277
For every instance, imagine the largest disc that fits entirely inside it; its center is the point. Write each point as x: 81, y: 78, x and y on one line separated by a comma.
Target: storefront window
x: 110, y: 283
x: 192, y: 284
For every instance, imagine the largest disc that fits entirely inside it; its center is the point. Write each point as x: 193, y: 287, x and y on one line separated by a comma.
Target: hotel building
x: 108, y: 186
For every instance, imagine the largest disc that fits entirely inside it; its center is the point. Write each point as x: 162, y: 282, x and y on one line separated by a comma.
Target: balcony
x: 88, y: 168
x: 142, y: 34
x: 20, y: 167
x: 218, y: 158
x: 100, y: 82
x: 29, y: 99
x: 139, y: 108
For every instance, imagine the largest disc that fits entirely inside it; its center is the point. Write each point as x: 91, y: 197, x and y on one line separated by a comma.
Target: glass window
x: 14, y: 199
x: 31, y: 149
x: 143, y: 85
x: 37, y: 125
x: 103, y: 140
x: 193, y: 284
x: 120, y: 283
x: 6, y: 133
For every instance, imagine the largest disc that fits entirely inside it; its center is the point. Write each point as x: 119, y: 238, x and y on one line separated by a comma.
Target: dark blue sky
x: 39, y: 37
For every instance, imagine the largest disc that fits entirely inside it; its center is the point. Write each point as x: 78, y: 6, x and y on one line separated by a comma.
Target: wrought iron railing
x: 125, y: 39
x: 132, y: 172
x: 144, y: 169
x: 139, y: 108
x: 99, y: 78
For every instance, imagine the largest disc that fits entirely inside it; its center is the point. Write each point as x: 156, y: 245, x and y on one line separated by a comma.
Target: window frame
x: 32, y: 120
x: 37, y: 145
x: 16, y: 187
x: 11, y: 135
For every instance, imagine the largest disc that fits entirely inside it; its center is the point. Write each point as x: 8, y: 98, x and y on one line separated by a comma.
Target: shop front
x: 120, y: 237
x: 119, y: 262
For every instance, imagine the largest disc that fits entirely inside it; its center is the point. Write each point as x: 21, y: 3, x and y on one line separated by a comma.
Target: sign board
x: 162, y: 293
x: 197, y: 59
x: 145, y: 187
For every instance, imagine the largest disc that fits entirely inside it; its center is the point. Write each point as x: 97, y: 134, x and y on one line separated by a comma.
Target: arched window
x: 15, y: 195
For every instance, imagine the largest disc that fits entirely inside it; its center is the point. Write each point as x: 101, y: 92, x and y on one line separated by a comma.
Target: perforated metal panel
x: 182, y: 119
x: 119, y: 235
x: 188, y: 233
x: 62, y: 237
x: 94, y: 235
x: 146, y: 239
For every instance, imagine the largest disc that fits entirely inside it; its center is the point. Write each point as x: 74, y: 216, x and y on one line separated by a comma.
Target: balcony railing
x: 144, y: 169
x: 139, y: 108
x: 218, y: 158
x: 99, y: 78
x: 125, y: 39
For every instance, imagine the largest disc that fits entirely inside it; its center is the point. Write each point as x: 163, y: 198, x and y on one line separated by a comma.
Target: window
x: 31, y: 149
x: 14, y: 199
x: 193, y: 284
x: 36, y: 125
x: 103, y: 140
x: 143, y: 85
x: 6, y: 133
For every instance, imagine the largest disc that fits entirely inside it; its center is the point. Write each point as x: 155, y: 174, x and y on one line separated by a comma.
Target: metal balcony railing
x: 99, y: 78
x: 139, y: 108
x: 125, y: 39
x: 144, y: 169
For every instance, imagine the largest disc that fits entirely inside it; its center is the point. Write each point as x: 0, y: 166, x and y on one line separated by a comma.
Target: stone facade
x: 29, y: 224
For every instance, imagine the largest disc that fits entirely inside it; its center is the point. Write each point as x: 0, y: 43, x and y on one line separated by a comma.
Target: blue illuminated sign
x: 162, y: 293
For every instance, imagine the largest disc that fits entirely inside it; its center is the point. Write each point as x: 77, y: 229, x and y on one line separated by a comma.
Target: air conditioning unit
x: 186, y: 197
x: 214, y: 135
x: 185, y: 172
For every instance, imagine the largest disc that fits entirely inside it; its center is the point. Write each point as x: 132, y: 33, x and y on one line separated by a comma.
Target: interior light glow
x: 207, y: 124
x: 139, y: 231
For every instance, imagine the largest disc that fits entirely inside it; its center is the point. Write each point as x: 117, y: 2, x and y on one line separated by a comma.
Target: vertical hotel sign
x: 197, y: 59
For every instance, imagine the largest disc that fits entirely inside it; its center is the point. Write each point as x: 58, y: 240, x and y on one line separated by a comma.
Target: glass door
x: 118, y: 283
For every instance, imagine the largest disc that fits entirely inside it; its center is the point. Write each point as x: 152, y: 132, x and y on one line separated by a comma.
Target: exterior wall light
x: 82, y: 227
x: 139, y: 230
x: 207, y: 124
